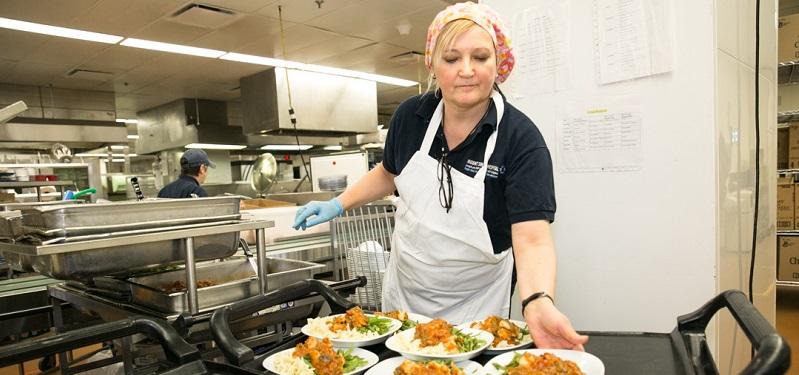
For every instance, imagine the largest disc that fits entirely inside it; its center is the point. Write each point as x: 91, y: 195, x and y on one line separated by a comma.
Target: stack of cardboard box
x: 788, y: 36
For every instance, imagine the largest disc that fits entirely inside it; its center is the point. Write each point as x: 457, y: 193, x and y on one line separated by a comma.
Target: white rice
x: 287, y: 364
x: 318, y: 327
x: 415, y: 346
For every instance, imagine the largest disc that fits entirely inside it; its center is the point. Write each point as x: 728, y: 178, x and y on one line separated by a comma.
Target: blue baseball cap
x: 194, y: 157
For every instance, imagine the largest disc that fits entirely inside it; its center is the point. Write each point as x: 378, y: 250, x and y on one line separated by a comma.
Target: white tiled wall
x: 735, y: 124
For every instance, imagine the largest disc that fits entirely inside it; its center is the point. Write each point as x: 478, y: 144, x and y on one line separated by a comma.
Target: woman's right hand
x: 316, y: 212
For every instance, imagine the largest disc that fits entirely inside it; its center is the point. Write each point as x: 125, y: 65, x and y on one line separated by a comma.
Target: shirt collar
x: 429, y: 102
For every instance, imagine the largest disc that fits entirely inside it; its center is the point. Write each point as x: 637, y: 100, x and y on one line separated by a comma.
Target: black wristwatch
x: 534, y: 297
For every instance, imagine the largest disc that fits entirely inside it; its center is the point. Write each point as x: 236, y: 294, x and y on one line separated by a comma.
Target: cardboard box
x: 788, y: 38
x: 788, y: 258
x: 7, y: 197
x: 782, y: 149
x: 793, y: 146
x: 785, y: 203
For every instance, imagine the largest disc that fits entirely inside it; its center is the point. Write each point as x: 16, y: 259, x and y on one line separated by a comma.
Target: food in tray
x: 402, y: 316
x: 506, y: 332
x: 354, y: 324
x: 180, y: 285
x: 544, y: 364
x: 439, y: 338
x: 408, y: 367
x: 317, y: 357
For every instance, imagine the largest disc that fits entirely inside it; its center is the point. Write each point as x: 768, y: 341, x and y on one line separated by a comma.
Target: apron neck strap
x: 438, y: 116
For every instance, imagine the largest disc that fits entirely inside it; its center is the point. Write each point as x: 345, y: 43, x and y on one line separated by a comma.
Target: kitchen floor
x: 788, y: 322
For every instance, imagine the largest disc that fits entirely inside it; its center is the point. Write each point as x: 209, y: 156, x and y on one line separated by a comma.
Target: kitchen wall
x: 639, y: 247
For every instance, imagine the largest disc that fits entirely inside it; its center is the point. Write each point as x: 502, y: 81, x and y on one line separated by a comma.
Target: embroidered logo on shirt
x: 472, y: 166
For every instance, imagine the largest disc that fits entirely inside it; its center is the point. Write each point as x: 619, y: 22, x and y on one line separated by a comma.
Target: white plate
x: 526, y: 341
x: 387, y: 367
x: 371, y: 359
x: 355, y: 343
x: 587, y: 362
x: 393, y: 344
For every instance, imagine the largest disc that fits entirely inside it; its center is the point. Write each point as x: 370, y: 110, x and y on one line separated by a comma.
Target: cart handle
x: 236, y: 352
x: 772, y: 353
x: 176, y: 349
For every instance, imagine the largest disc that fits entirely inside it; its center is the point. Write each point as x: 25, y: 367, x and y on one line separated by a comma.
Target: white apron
x: 443, y: 265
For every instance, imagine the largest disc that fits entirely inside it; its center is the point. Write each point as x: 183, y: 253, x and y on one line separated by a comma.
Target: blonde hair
x: 445, y: 40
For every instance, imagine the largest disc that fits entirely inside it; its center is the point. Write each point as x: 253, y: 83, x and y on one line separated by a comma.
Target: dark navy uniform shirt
x: 518, y: 185
x: 183, y: 187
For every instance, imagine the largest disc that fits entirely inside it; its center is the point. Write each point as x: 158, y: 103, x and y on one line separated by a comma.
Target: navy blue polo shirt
x: 183, y: 187
x: 518, y: 185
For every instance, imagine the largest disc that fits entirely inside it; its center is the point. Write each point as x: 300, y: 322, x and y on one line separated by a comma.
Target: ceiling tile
x: 304, y: 10
x: 222, y: 72
x: 370, y: 54
x: 37, y: 73
x: 18, y: 44
x: 51, y: 12
x: 382, y: 19
x: 239, y: 33
x: 118, y: 59
x: 245, y: 6
x: 123, y: 17
x: 170, y: 32
x: 68, y: 51
x: 297, y: 37
x: 337, y: 46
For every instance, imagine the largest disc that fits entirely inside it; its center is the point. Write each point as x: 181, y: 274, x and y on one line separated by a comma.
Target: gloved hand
x: 321, y: 212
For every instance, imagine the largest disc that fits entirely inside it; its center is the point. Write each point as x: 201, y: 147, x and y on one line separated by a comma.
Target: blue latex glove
x: 316, y: 212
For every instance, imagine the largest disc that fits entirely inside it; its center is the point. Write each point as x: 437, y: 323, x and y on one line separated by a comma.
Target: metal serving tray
x: 83, y: 219
x: 125, y: 255
x: 235, y: 280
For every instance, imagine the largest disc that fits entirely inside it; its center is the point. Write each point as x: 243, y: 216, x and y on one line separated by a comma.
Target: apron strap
x: 438, y: 116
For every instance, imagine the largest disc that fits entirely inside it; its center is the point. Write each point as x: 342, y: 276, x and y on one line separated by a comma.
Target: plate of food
x: 352, y: 329
x: 508, y: 334
x: 566, y: 362
x: 315, y: 356
x: 439, y: 340
x: 409, y: 320
x: 404, y: 366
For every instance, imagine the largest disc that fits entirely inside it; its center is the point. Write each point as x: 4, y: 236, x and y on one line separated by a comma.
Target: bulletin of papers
x: 600, y: 141
x: 538, y: 36
x: 633, y: 39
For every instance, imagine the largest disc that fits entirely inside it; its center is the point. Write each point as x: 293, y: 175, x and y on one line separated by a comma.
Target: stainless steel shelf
x: 24, y: 184
x: 788, y: 72
x: 788, y: 284
x: 135, y: 239
x: 788, y: 232
x: 787, y: 116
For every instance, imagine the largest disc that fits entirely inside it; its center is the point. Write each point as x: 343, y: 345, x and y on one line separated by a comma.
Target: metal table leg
x: 58, y: 324
x: 127, y: 354
x: 191, y: 278
x: 260, y: 244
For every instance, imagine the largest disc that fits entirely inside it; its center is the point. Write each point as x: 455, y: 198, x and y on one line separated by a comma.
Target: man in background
x: 193, y: 171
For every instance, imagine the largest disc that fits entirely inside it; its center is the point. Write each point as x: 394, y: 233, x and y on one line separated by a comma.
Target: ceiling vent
x: 89, y: 75
x: 410, y: 57
x: 205, y: 16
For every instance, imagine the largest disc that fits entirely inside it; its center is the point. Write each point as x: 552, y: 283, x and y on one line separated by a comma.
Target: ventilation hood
x: 324, y: 104
x: 185, y: 121
x: 77, y: 118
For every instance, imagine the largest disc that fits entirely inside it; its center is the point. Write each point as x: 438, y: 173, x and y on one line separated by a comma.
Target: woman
x: 460, y: 222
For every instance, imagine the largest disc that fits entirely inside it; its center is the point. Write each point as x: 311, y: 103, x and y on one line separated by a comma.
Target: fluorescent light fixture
x: 215, y: 146
x: 286, y: 147
x: 100, y: 155
x: 128, y: 120
x: 133, y: 136
x: 333, y: 148
x: 268, y: 61
x: 118, y: 160
x: 58, y: 31
x: 118, y: 147
x: 174, y: 48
